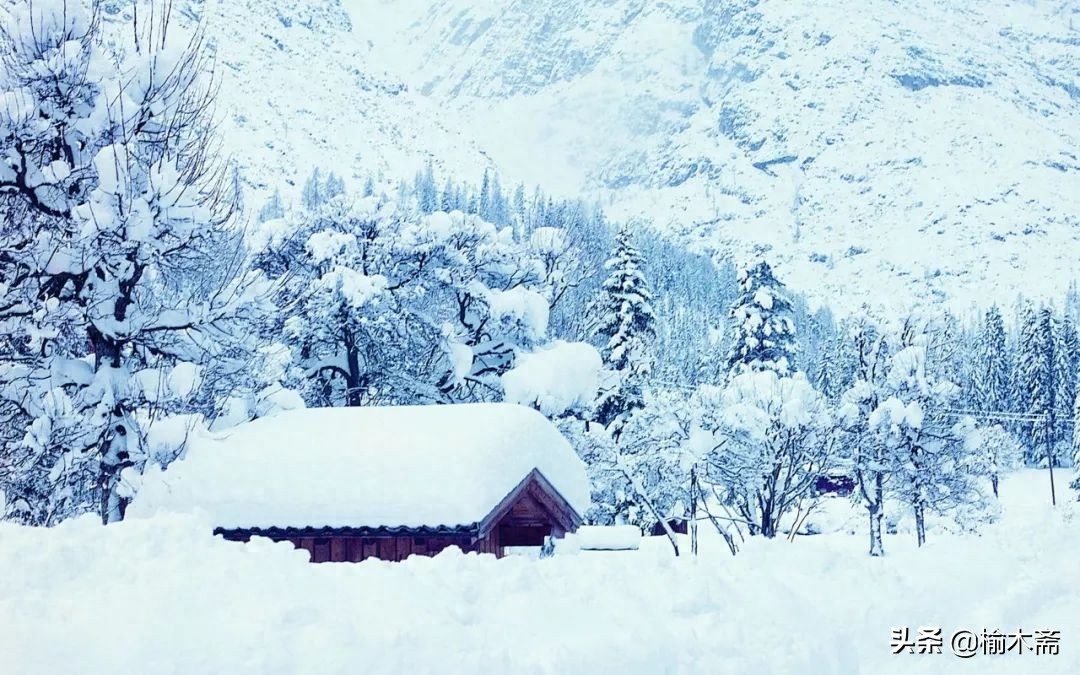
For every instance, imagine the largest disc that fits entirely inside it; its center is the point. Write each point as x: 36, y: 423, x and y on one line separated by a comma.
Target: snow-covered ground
x: 161, y: 595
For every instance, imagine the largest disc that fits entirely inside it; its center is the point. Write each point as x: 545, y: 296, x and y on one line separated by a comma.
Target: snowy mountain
x: 300, y: 89
x: 875, y: 150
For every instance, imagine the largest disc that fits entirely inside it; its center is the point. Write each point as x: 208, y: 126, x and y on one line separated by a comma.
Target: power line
x: 1004, y: 416
x: 984, y: 415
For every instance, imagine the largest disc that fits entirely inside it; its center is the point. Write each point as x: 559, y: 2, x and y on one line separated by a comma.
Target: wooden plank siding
x: 346, y: 548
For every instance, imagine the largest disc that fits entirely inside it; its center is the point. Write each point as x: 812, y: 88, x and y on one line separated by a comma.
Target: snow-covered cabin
x: 386, y: 482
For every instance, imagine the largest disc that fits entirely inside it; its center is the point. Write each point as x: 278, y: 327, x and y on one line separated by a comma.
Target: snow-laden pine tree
x: 499, y: 209
x: 116, y: 259
x: 762, y: 326
x: 427, y: 196
x: 311, y: 195
x: 1066, y: 348
x: 447, y: 198
x: 1076, y: 443
x: 518, y: 210
x: 333, y: 186
x: 990, y: 371
x: 483, y: 204
x: 1071, y: 305
x: 1036, y: 375
x: 626, y: 331
x: 273, y: 208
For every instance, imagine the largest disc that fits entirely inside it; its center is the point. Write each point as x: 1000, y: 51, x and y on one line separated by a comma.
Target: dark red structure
x: 532, y: 511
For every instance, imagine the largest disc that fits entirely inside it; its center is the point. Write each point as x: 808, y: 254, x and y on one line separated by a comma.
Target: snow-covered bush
x: 560, y: 378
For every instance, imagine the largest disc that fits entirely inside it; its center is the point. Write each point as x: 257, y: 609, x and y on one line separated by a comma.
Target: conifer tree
x: 627, y: 327
x: 1035, y: 369
x: 484, y: 206
x: 1065, y: 351
x: 448, y: 199
x: 273, y: 209
x: 763, y: 331
x: 990, y: 370
x: 311, y: 195
x: 1076, y: 443
x: 426, y: 192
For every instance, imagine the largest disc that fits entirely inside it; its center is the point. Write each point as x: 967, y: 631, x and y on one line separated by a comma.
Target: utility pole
x: 1050, y: 461
x: 693, y: 510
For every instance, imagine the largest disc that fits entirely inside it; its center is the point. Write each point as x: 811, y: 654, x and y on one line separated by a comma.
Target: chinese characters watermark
x: 966, y: 644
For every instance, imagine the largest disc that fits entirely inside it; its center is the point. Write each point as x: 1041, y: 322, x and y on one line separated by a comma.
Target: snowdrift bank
x: 160, y: 595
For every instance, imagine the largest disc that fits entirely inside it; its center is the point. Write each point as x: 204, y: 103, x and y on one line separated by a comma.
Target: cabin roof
x: 394, y: 469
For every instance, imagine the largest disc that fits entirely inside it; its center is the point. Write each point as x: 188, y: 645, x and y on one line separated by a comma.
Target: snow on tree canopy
x: 408, y: 466
x: 564, y: 376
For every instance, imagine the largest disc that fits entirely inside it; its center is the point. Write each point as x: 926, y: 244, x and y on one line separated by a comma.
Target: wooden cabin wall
x: 355, y: 549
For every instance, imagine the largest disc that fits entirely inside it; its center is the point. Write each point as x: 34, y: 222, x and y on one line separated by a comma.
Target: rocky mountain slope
x: 877, y: 151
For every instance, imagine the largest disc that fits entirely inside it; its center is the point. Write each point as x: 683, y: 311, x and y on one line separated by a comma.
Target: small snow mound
x: 608, y: 537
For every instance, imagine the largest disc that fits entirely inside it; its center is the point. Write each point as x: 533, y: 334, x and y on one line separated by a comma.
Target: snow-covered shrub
x: 559, y: 378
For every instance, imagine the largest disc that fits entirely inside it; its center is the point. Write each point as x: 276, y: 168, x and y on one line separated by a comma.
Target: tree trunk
x: 877, y: 514
x: 877, y: 547
x: 994, y: 483
x: 920, y: 522
x: 116, y: 439
x: 352, y: 385
x: 767, y: 530
x: 112, y: 457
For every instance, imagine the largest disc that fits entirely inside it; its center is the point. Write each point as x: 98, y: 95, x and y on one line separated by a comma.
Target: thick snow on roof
x: 366, y: 467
